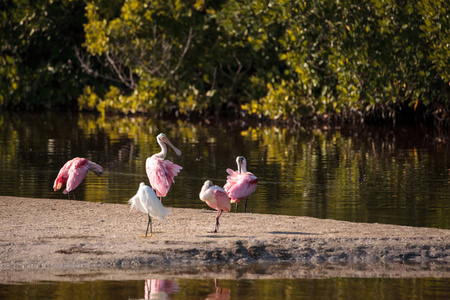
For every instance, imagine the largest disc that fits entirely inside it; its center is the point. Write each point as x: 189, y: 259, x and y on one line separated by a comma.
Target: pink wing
x: 222, y: 200
x: 231, y: 179
x: 63, y: 174
x: 239, y: 185
x: 161, y: 174
x: 77, y: 173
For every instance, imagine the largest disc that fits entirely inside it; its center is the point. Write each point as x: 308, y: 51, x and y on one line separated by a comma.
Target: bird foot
x: 146, y: 235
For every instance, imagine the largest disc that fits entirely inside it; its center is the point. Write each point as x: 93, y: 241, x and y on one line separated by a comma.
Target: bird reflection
x: 220, y: 294
x: 159, y: 288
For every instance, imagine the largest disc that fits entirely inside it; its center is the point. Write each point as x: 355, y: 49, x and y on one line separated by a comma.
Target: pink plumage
x: 161, y: 172
x: 73, y: 172
x: 216, y: 198
x: 240, y: 184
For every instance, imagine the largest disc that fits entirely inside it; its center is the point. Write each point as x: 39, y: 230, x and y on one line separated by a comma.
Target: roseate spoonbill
x: 216, y: 198
x: 73, y: 172
x: 240, y: 184
x: 161, y: 172
x: 146, y: 201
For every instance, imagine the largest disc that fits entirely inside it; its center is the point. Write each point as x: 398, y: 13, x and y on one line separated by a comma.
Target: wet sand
x: 44, y: 239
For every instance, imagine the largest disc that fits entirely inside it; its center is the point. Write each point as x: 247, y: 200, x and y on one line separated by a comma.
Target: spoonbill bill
x: 147, y: 202
x: 161, y: 172
x: 73, y: 172
x: 241, y: 183
x: 215, y: 197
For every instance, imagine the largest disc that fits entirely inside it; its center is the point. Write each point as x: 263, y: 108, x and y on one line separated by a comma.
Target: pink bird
x: 216, y: 198
x: 161, y: 172
x: 73, y: 172
x: 240, y: 184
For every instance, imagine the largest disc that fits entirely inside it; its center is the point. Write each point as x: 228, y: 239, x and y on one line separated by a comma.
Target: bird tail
x: 160, y: 212
x: 132, y: 204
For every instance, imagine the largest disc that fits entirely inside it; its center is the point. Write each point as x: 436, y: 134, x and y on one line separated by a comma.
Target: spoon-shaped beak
x: 98, y: 173
x: 166, y: 140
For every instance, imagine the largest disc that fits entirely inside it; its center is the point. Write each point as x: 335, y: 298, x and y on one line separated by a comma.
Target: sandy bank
x: 75, y: 238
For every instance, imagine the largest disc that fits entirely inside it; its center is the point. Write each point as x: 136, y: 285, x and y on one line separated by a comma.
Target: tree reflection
x: 366, y: 173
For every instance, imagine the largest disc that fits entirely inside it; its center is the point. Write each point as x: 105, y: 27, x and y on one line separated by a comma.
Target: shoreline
x: 67, y: 240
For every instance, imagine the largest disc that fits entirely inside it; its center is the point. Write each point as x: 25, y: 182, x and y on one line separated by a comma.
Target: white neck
x: 163, y: 152
x: 243, y: 167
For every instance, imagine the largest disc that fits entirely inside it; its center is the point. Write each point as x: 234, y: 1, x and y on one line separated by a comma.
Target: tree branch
x: 185, y: 50
x: 85, y: 65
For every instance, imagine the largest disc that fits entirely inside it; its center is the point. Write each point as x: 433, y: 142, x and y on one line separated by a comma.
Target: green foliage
x: 279, y: 59
x: 344, y: 54
x: 143, y: 48
x: 37, y: 63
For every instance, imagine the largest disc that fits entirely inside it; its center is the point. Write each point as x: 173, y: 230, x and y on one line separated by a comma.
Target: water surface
x: 192, y: 289
x: 360, y: 174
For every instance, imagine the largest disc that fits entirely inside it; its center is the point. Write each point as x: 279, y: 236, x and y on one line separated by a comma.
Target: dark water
x: 356, y: 174
x: 335, y: 288
x: 398, y: 176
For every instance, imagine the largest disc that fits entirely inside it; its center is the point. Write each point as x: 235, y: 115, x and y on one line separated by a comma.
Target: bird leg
x: 149, y: 224
x: 68, y: 195
x: 219, y: 213
x: 237, y: 202
x: 245, y: 205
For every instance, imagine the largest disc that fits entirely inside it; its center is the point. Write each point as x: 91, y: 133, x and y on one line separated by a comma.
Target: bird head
x: 97, y: 169
x: 205, y: 187
x: 162, y: 138
x: 208, y: 183
x: 241, y: 164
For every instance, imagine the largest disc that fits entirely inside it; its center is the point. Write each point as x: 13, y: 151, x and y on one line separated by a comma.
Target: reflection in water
x: 220, y: 294
x: 356, y: 174
x: 262, y: 289
x: 159, y: 289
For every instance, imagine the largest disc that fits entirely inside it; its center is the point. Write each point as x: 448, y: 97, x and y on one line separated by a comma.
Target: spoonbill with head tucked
x: 240, y: 184
x: 161, y: 172
x: 146, y: 201
x: 216, y: 198
x: 73, y: 172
